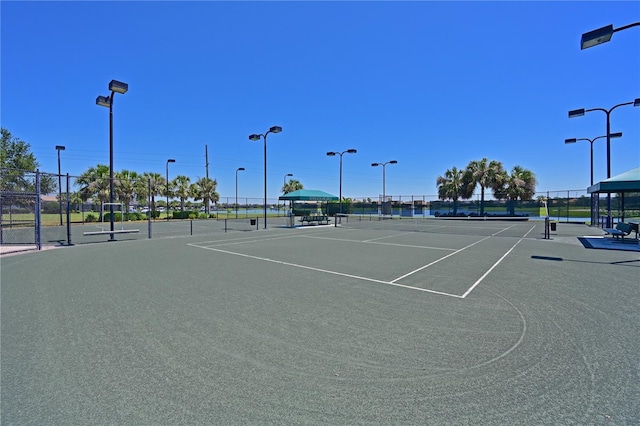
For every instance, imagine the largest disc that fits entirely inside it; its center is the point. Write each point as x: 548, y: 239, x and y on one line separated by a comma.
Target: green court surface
x: 324, y: 325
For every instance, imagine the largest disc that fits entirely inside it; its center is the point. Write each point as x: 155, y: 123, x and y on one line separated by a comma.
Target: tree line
x: 458, y: 184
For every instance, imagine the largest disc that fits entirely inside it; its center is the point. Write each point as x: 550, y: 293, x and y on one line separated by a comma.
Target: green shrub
x: 202, y: 216
x: 90, y: 218
x: 192, y: 215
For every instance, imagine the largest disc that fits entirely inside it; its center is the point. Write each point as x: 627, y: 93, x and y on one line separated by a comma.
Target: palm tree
x: 94, y: 183
x: 157, y: 186
x: 292, y: 185
x: 182, y: 189
x: 126, y: 187
x: 453, y: 186
x: 519, y: 185
x: 205, y: 189
x: 484, y: 173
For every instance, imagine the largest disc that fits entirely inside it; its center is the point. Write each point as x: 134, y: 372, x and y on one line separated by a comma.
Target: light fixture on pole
x: 333, y: 154
x: 384, y: 189
x: 601, y: 35
x: 107, y: 101
x: 59, y: 148
x: 170, y: 160
x: 256, y: 137
x: 239, y: 169
x: 580, y: 112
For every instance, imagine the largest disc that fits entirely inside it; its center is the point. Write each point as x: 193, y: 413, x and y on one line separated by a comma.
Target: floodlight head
x: 275, y: 129
x: 240, y: 169
x: 571, y: 140
x: 118, y: 86
x: 60, y: 148
x: 576, y: 113
x: 615, y: 135
x: 104, y: 101
x: 352, y: 151
x: 254, y: 137
x: 289, y: 174
x: 595, y: 37
x: 393, y: 162
x: 375, y: 164
x: 171, y: 160
x: 636, y: 102
x: 331, y: 153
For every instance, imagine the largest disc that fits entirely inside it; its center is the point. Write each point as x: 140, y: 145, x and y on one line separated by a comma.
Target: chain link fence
x: 44, y: 208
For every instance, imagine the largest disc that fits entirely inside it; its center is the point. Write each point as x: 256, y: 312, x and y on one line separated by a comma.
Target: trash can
x: 253, y: 222
x: 553, y: 225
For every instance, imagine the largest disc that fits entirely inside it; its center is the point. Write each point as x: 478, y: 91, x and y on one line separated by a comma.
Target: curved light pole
x: 107, y: 101
x: 333, y: 154
x: 59, y: 148
x: 591, y: 141
x: 594, y: 218
x: 239, y: 169
x: 384, y: 194
x: 256, y: 137
x: 580, y: 112
x: 284, y: 183
x: 170, y: 160
x: 601, y: 35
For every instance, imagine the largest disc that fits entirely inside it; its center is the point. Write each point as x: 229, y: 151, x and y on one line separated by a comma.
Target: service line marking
x: 295, y: 265
x: 377, y: 242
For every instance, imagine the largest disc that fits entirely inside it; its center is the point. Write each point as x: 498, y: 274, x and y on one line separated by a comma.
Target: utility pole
x: 206, y: 156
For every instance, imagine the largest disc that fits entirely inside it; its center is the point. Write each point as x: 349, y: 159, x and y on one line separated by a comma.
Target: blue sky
x: 430, y: 84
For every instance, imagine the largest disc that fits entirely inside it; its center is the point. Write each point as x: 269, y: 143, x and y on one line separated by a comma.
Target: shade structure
x: 308, y: 195
x: 626, y: 182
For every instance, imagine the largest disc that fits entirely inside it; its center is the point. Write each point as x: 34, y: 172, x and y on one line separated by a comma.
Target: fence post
x: 68, y: 204
x: 38, y: 230
x: 149, y: 212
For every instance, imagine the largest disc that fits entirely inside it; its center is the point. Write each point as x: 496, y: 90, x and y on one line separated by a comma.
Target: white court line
x: 466, y: 293
x: 377, y: 242
x: 388, y: 236
x: 295, y: 265
x: 251, y: 239
x: 438, y: 260
x: 456, y: 252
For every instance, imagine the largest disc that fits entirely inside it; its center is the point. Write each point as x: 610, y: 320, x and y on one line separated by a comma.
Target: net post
x: 68, y: 204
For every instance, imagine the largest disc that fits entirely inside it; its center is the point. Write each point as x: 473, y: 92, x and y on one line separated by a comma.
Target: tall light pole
x: 384, y: 189
x: 580, y: 112
x: 59, y: 148
x: 594, y: 218
x: 601, y: 35
x: 107, y: 101
x: 170, y: 160
x: 333, y: 154
x: 256, y: 137
x: 239, y: 169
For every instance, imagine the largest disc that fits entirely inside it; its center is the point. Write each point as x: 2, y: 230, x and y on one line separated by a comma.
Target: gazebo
x: 308, y: 195
x: 622, y: 184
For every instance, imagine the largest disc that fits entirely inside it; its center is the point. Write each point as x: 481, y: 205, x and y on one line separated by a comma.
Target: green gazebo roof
x: 308, y: 195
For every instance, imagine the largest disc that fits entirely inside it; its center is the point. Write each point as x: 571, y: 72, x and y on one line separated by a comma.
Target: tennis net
x: 515, y: 227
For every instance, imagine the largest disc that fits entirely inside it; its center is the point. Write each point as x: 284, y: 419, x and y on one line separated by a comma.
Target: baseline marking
x: 295, y: 265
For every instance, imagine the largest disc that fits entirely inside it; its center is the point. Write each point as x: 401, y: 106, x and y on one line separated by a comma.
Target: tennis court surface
x: 387, y: 322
